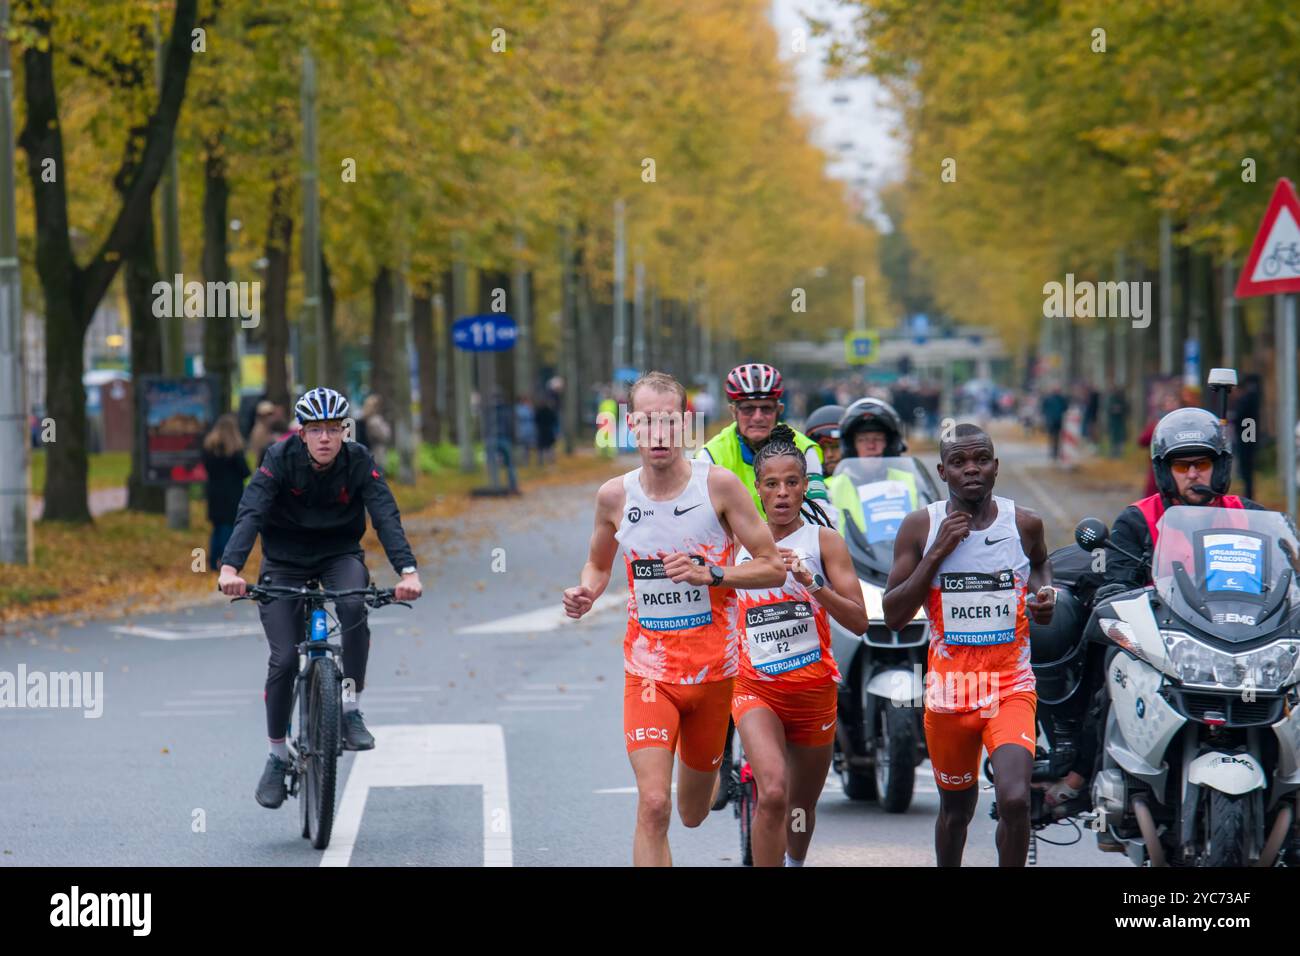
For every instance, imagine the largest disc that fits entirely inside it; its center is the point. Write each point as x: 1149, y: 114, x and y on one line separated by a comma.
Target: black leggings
x: 283, y: 623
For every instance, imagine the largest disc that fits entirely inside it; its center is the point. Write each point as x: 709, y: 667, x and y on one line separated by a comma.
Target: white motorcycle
x: 880, y: 739
x: 1201, y: 749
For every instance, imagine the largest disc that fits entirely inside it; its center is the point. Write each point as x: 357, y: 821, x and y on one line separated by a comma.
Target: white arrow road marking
x: 430, y: 755
x: 549, y: 618
x: 188, y: 632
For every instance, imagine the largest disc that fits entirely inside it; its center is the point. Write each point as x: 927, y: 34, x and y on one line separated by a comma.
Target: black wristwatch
x: 716, y: 573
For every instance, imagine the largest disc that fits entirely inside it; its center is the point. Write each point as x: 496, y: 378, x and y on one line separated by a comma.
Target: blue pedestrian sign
x: 491, y: 332
x: 862, y: 348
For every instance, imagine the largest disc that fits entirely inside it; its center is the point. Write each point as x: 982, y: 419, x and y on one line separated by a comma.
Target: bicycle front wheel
x: 323, y: 733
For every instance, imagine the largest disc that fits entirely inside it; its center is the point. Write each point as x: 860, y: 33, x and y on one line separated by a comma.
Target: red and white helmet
x: 753, y: 380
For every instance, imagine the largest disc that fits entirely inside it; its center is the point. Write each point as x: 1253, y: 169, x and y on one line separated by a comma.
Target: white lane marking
x: 430, y: 755
x: 197, y: 632
x: 375, y: 698
x: 625, y: 789
x: 187, y: 713
x: 535, y: 707
x: 548, y: 618
x: 562, y: 687
x: 244, y: 691
x: 203, y: 702
x: 547, y: 698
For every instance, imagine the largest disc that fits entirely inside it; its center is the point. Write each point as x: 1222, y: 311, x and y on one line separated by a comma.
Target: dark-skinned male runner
x: 979, y: 566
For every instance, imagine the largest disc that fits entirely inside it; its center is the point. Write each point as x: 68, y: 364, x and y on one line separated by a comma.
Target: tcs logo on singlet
x: 648, y: 733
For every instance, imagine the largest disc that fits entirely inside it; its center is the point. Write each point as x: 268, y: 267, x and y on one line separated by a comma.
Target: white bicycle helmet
x: 321, y: 405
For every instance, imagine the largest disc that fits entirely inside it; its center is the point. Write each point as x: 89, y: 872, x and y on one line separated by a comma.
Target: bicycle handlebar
x: 372, y: 596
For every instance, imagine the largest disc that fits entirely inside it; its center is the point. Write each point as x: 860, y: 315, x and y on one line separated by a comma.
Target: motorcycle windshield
x: 1229, y: 565
x: 883, y: 491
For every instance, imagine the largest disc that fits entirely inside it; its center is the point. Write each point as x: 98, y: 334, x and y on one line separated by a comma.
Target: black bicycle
x: 318, y: 692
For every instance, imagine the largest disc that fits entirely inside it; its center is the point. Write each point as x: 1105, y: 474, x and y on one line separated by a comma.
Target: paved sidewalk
x: 101, y: 501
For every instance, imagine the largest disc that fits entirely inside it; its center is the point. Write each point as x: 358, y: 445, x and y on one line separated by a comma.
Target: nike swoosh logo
x: 828, y: 726
x: 1023, y: 737
x: 718, y: 759
x: 681, y: 511
x: 988, y: 540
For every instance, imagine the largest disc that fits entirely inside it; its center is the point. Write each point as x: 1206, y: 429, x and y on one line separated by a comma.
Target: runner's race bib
x: 979, y: 609
x: 1233, y: 562
x: 884, y: 506
x: 782, y: 637
x: 662, y: 605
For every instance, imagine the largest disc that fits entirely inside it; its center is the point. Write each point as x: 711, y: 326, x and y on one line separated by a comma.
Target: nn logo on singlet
x: 635, y: 514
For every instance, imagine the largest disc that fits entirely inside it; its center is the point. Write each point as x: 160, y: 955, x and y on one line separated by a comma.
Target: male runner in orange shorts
x: 675, y: 519
x: 979, y: 565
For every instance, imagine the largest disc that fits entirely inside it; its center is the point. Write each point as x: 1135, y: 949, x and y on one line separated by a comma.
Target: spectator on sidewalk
x: 1245, y: 419
x: 373, y: 429
x: 282, y: 426
x: 227, y: 469
x: 1167, y: 404
x: 1053, y: 409
x: 546, y: 420
x: 525, y: 428
x: 1117, y: 421
x: 504, y: 423
x: 1091, y: 413
x: 262, y: 434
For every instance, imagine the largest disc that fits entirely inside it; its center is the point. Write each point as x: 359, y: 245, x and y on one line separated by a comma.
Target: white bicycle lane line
x: 169, y: 631
x: 429, y: 755
x: 226, y: 703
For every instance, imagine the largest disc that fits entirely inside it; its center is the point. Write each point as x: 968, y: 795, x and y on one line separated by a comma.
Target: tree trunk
x: 491, y: 286
x: 568, y: 358
x: 279, y: 238
x: 589, y: 362
x: 382, y: 364
x: 333, y: 359
x: 218, y: 331
x: 140, y: 272
x: 72, y: 293
x: 447, y: 361
x: 426, y: 350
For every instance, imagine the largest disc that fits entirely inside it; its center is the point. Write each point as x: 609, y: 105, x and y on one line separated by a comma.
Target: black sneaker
x: 355, y: 735
x: 271, y: 790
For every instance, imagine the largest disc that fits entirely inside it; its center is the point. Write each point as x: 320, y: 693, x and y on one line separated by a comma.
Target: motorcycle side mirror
x: 1091, y: 533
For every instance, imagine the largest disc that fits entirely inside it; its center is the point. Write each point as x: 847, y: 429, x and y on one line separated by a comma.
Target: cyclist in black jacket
x: 309, y: 500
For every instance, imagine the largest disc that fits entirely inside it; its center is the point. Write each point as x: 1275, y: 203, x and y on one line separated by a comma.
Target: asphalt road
x: 499, y: 724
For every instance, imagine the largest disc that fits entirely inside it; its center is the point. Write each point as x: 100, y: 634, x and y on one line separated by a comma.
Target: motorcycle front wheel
x: 1225, y: 830
x: 895, y: 763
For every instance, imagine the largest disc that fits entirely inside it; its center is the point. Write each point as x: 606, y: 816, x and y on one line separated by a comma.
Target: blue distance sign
x: 492, y: 332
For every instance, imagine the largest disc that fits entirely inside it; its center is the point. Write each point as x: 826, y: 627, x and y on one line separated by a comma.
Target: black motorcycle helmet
x: 1184, y: 432
x: 872, y: 414
x: 824, y: 422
